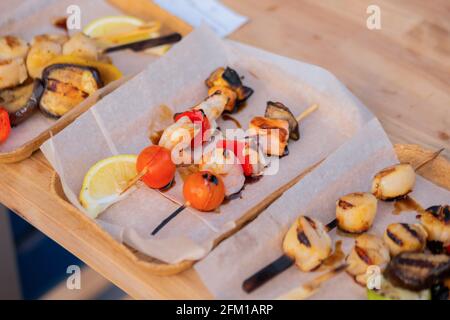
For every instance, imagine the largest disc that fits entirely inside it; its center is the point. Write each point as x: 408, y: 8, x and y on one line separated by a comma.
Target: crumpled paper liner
x: 118, y: 125
x: 348, y: 169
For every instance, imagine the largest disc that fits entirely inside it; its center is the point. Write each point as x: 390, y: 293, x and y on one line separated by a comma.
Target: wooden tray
x: 437, y: 171
x: 140, y: 8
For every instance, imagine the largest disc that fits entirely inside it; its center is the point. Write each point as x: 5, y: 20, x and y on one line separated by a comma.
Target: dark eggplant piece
x: 21, y: 101
x: 417, y: 271
x: 277, y: 110
x: 67, y: 85
x: 227, y: 77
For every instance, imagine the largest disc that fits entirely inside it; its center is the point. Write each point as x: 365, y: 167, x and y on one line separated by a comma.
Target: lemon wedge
x: 104, y: 182
x: 117, y: 30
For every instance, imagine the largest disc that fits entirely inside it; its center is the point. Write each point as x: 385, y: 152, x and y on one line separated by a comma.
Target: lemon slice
x: 117, y: 30
x: 112, y: 25
x: 105, y: 181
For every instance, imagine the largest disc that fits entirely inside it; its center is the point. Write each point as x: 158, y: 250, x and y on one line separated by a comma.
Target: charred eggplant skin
x: 68, y: 90
x: 417, y: 271
x: 32, y: 104
x: 277, y: 110
x: 22, y: 100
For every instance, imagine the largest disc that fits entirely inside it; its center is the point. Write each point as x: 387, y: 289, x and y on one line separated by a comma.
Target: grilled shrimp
x: 355, y: 212
x: 224, y: 163
x: 394, y: 182
x: 368, y: 250
x: 403, y: 237
x: 308, y: 243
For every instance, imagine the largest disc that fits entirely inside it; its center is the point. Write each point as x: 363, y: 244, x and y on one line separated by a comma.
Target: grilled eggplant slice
x: 229, y: 78
x: 417, y: 271
x: 21, y: 101
x: 65, y: 86
x: 277, y: 110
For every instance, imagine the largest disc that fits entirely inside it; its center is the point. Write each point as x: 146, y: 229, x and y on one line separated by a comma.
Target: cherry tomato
x: 5, y: 125
x: 161, y: 169
x: 238, y: 148
x: 204, y: 191
x: 196, y: 116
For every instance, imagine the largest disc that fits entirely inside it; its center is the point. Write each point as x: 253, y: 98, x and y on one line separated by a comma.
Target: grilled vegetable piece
x: 368, y: 250
x: 5, y: 126
x: 229, y: 78
x: 417, y: 271
x: 12, y: 47
x: 394, y: 182
x: 273, y: 134
x: 82, y: 46
x: 308, y: 243
x: 403, y: 237
x: 436, y: 220
x: 65, y: 86
x: 21, y: 101
x: 388, y: 291
x: 108, y: 72
x: 12, y: 72
x: 277, y: 110
x: 355, y: 212
x: 43, y: 49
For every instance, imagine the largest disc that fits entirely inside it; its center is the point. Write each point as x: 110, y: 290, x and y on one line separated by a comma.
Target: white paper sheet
x: 177, y: 80
x: 349, y: 169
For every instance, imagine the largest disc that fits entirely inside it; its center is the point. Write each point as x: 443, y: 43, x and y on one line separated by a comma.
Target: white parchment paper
x: 118, y: 125
x: 349, y: 169
x: 34, y: 17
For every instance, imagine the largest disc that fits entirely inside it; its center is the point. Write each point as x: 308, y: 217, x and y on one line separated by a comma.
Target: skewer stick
x: 432, y: 157
x: 135, y: 180
x: 274, y: 268
x: 307, y: 112
x: 170, y: 217
x: 308, y: 289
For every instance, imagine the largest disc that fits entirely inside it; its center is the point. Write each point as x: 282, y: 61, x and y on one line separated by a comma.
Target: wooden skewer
x: 135, y: 180
x: 274, y: 268
x: 307, y: 112
x: 432, y: 157
x: 170, y: 217
x: 308, y: 289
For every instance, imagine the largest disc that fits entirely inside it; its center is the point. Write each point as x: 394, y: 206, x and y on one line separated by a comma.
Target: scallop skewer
x: 306, y: 244
x: 302, y: 116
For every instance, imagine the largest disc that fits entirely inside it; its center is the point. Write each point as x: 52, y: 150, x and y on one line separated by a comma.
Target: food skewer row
x: 355, y: 213
x: 55, y: 73
x: 205, y: 189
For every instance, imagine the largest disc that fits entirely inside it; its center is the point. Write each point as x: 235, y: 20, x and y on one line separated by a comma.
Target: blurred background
x: 32, y: 266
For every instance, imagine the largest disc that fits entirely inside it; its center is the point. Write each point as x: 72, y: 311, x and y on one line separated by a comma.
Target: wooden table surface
x: 401, y: 72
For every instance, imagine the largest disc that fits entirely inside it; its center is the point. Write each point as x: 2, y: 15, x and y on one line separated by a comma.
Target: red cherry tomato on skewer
x: 204, y: 190
x: 159, y: 164
x: 239, y: 150
x: 5, y: 125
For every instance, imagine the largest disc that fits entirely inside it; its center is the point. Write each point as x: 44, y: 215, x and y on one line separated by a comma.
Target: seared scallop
x: 394, y: 182
x: 436, y: 221
x: 368, y: 250
x: 308, y: 243
x: 403, y: 237
x: 82, y: 46
x: 43, y: 49
x: 12, y: 66
x: 355, y: 212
